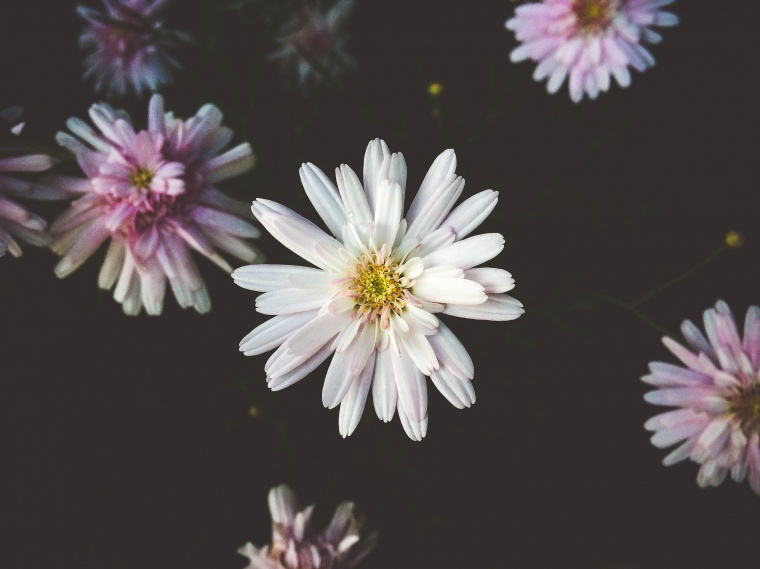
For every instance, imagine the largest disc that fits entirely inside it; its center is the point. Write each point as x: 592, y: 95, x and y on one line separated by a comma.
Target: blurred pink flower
x: 380, y: 280
x: 718, y: 395
x: 15, y: 220
x: 296, y: 546
x: 311, y: 45
x: 129, y: 46
x: 152, y: 192
x: 588, y: 41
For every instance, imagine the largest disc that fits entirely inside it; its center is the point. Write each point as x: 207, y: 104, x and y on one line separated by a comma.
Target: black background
x: 127, y: 443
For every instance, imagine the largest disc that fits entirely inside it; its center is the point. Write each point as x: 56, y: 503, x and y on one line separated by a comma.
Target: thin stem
x: 654, y: 292
x: 640, y: 315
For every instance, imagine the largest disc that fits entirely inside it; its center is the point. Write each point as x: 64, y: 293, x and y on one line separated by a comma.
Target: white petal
x: 289, y: 301
x: 460, y: 393
x: 274, y: 332
x: 316, y: 333
x: 387, y: 213
x: 352, y: 193
x: 436, y: 208
x: 498, y: 307
x: 384, y: 393
x: 449, y: 290
x: 324, y: 197
x: 441, y: 173
x: 283, y: 505
x: 469, y: 252
x: 410, y: 383
x: 267, y: 278
x: 376, y: 152
x: 492, y: 280
x: 451, y: 353
x: 338, y: 379
x: 352, y: 406
x: 302, y: 370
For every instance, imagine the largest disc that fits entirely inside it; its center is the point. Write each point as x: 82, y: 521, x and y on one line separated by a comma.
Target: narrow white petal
x: 352, y: 193
x: 267, y: 278
x: 498, y: 307
x: 410, y: 383
x: 352, y: 406
x: 384, y: 392
x: 445, y: 290
x: 376, y: 152
x: 289, y: 301
x: 451, y: 353
x: 274, y: 332
x: 324, y: 197
x: 469, y: 252
x: 460, y: 393
x: 338, y: 379
x: 492, y: 280
x: 440, y: 173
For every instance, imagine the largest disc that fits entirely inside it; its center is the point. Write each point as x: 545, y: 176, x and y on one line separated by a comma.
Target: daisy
x: 128, y: 46
x: 153, y: 194
x: 296, y: 546
x: 17, y: 222
x: 311, y: 45
x: 588, y: 41
x: 717, y: 394
x: 379, y: 282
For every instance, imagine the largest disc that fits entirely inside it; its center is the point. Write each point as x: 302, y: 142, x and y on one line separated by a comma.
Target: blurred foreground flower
x: 152, y: 192
x: 588, y: 41
x: 378, y: 284
x: 311, y: 45
x: 296, y: 546
x: 129, y: 46
x: 15, y: 220
x: 718, y: 393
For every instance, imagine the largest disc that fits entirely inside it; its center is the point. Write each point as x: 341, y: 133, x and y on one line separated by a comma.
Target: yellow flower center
x: 594, y: 15
x: 378, y: 287
x: 746, y: 407
x: 141, y: 178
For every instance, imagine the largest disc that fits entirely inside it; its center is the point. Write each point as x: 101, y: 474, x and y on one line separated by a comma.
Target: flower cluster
x: 128, y: 46
x: 295, y: 545
x: 379, y: 282
x: 153, y: 194
x: 17, y: 222
x: 312, y: 44
x: 588, y: 41
x: 717, y: 393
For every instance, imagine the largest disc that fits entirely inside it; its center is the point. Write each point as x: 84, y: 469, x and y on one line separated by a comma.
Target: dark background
x: 127, y: 443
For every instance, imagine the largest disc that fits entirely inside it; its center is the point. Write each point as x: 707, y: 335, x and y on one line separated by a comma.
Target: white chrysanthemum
x: 378, y: 284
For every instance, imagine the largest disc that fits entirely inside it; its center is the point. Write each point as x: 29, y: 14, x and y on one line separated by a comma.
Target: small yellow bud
x: 435, y: 89
x: 734, y: 239
x: 253, y: 411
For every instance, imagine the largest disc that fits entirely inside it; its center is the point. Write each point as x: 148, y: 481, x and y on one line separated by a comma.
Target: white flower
x: 378, y: 284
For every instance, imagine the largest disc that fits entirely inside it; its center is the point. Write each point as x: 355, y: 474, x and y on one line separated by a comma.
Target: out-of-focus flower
x: 735, y: 240
x: 153, y: 193
x: 311, y: 44
x: 296, y: 546
x: 377, y: 285
x: 435, y: 89
x: 588, y: 41
x: 16, y: 222
x: 129, y: 46
x: 718, y: 395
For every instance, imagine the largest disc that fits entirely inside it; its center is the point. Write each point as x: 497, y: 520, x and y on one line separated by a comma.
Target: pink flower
x: 312, y: 43
x: 16, y: 222
x: 295, y: 545
x: 128, y: 46
x: 152, y: 193
x: 588, y: 41
x: 718, y: 398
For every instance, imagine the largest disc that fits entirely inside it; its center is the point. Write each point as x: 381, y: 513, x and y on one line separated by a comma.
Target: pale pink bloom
x: 296, y: 546
x: 129, y: 46
x: 17, y: 222
x: 378, y: 284
x: 717, y: 393
x: 312, y: 44
x: 153, y: 194
x: 588, y: 41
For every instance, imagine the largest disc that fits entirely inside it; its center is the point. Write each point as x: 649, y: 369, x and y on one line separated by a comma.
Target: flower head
x: 311, y: 44
x: 128, y: 46
x: 588, y: 41
x: 377, y: 287
x: 16, y: 222
x: 296, y: 546
x: 718, y: 398
x: 152, y: 193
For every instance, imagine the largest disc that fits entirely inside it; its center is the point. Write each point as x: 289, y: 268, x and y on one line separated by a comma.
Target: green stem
x: 640, y: 315
x: 654, y: 292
